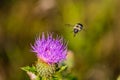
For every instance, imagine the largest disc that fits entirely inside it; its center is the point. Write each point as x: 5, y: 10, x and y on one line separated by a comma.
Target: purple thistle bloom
x: 49, y: 49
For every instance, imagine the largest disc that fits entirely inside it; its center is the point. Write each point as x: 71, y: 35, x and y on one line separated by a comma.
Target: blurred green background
x: 96, y: 51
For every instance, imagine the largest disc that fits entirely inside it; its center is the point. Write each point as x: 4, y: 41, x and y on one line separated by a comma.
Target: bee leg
x: 74, y: 34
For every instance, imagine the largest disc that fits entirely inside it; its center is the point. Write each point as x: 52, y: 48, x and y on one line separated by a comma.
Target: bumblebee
x: 77, y: 28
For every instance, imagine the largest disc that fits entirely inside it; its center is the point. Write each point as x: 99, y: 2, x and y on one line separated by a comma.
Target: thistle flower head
x: 49, y: 49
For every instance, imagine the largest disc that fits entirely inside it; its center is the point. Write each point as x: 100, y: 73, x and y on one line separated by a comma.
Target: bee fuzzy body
x: 77, y: 28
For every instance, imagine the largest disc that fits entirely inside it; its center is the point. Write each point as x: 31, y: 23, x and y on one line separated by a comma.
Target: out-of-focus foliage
x: 96, y: 50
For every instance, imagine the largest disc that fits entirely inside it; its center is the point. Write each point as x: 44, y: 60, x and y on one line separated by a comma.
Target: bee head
x: 76, y: 30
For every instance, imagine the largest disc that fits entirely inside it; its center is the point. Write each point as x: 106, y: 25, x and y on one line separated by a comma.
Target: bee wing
x: 69, y: 25
x: 84, y: 29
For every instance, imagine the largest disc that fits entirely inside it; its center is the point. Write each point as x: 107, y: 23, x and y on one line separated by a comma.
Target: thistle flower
x: 50, y: 50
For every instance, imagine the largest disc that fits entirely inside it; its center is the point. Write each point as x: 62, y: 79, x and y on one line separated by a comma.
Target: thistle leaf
x: 29, y: 69
x: 62, y: 68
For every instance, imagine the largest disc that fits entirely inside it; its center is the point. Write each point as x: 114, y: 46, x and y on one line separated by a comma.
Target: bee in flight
x: 76, y: 28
